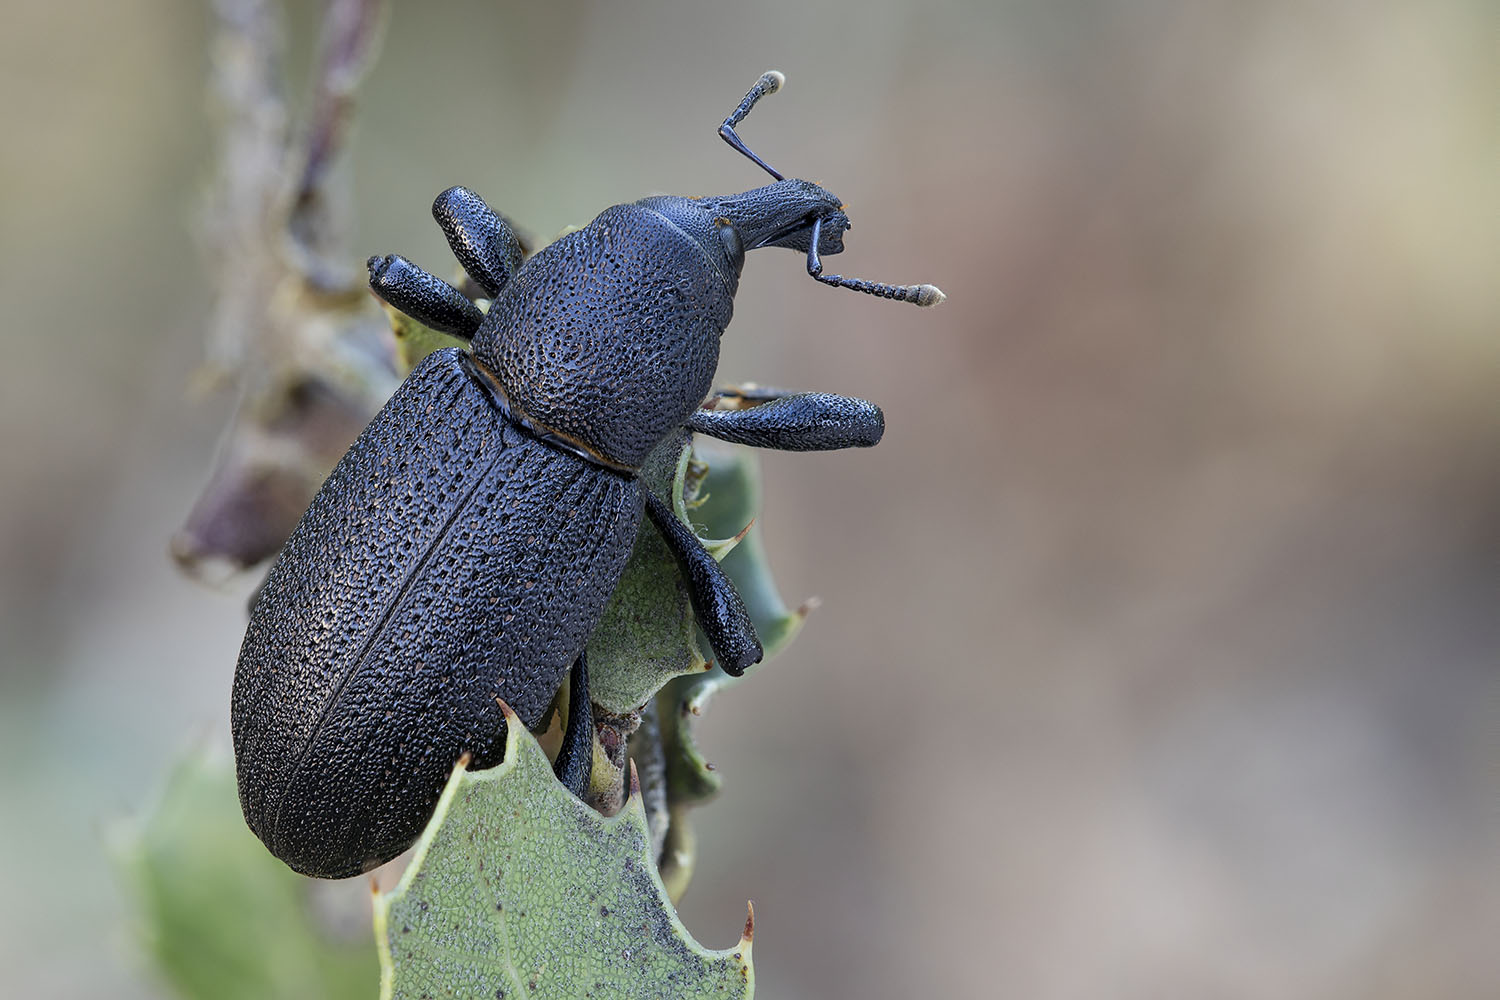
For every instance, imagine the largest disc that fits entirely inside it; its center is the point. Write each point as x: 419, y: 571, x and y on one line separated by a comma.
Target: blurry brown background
x: 1159, y: 645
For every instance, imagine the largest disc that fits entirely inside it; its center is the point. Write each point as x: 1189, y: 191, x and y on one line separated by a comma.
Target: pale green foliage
x: 731, y: 501
x: 647, y: 635
x: 517, y: 889
x: 415, y: 340
x: 221, y: 918
x: 731, y: 496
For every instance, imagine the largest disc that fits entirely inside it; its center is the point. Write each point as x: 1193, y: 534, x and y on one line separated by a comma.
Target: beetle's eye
x: 730, y: 237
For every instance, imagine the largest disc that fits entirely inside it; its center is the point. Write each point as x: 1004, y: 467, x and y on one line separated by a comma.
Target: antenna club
x: 773, y: 79
x: 929, y: 295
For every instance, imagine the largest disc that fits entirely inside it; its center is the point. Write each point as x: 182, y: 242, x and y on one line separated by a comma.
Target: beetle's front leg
x: 575, y: 760
x: 480, y: 238
x: 422, y: 296
x: 801, y: 421
x: 716, y: 603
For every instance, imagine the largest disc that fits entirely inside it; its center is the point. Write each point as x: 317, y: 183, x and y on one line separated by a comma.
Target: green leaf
x: 647, y: 635
x: 223, y: 919
x: 415, y: 340
x: 731, y: 498
x: 731, y: 492
x: 519, y: 890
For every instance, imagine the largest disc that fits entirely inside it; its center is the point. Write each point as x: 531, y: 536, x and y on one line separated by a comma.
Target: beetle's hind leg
x: 480, y: 238
x: 799, y: 421
x: 716, y: 603
x: 575, y: 761
x: 423, y: 296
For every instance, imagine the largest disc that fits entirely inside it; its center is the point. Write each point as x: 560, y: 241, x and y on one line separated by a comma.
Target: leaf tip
x: 728, y: 545
x: 748, y: 937
x: 635, y: 781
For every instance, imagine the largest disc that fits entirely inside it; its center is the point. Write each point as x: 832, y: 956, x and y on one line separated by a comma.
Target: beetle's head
x: 798, y: 215
x: 783, y: 215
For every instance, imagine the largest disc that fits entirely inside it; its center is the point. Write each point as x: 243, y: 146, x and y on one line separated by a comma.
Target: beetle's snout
x: 831, y: 235
x: 782, y: 215
x: 798, y: 236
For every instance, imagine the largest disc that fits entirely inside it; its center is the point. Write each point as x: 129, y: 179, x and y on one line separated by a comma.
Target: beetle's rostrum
x: 464, y: 549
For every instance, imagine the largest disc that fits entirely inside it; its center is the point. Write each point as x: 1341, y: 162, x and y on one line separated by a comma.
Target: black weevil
x: 465, y: 547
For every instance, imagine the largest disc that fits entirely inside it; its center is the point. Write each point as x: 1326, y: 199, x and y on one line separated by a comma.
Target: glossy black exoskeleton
x: 465, y: 547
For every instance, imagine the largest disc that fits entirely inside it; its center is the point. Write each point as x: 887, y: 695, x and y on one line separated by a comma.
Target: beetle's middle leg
x: 798, y: 421
x: 575, y: 760
x: 716, y: 603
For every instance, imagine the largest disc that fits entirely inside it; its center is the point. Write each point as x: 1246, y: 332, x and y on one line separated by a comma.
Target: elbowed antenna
x: 922, y: 295
x: 770, y: 81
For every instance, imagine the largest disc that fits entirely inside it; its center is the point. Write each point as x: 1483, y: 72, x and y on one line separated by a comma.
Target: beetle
x: 464, y: 548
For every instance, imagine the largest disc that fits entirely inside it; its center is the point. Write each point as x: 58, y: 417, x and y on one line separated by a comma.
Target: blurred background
x: 1159, y: 651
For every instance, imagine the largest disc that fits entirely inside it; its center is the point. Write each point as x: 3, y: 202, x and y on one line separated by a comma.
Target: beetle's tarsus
x: 575, y: 761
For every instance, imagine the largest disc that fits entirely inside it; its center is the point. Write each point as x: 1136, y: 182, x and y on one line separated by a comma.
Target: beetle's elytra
x: 466, y: 545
